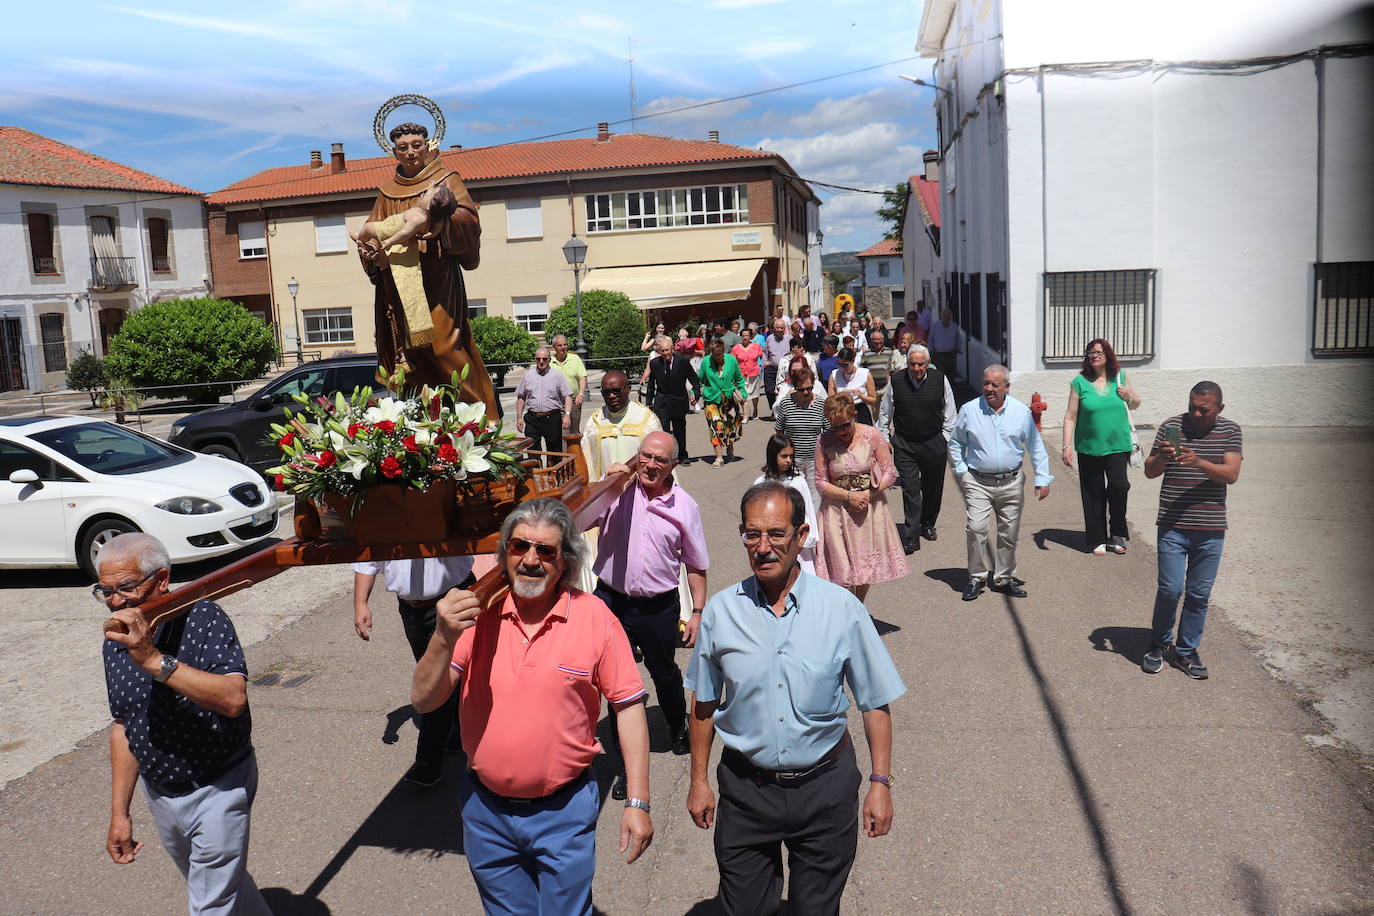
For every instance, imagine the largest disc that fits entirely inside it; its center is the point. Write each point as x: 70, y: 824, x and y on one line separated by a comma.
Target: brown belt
x: 542, y: 413
x: 761, y: 775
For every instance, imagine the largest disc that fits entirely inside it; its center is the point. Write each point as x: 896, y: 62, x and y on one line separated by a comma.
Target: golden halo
x: 397, y: 101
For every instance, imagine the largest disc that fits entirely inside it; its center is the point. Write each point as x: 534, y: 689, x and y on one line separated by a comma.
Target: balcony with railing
x: 111, y: 274
x: 44, y: 265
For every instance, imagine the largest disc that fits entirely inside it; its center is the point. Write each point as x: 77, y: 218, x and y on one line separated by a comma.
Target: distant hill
x: 840, y: 260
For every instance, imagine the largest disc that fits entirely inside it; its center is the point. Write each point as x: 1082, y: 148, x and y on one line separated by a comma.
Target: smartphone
x: 1173, y: 436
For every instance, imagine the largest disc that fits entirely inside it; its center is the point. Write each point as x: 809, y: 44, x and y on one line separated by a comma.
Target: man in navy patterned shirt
x: 179, y: 698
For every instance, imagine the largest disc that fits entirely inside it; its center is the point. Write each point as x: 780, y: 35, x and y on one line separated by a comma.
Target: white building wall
x: 1210, y: 178
x: 25, y: 296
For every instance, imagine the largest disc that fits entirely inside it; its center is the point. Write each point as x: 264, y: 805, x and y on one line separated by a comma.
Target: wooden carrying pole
x: 587, y: 503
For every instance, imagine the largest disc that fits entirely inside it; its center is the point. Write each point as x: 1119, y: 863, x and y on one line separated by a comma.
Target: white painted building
x: 881, y: 281
x: 1191, y: 181
x: 921, y: 269
x: 83, y: 241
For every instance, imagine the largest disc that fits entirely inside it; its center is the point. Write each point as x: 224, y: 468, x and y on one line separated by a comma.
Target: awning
x: 667, y: 285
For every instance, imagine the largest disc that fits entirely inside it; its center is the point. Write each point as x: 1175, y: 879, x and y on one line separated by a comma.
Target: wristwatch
x: 169, y: 664
x: 885, y: 780
x: 639, y: 803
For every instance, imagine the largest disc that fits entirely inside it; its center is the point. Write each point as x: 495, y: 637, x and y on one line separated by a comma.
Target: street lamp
x: 912, y: 79
x: 293, y: 287
x: 575, y: 251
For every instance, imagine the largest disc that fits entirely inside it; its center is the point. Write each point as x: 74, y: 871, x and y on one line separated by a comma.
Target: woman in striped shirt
x: 800, y: 416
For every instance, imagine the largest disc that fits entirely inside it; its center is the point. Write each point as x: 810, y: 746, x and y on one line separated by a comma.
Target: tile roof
x: 549, y: 157
x: 928, y: 198
x: 29, y: 159
x: 885, y: 247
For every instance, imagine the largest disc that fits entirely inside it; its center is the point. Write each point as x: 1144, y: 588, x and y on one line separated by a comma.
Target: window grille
x: 1082, y: 305
x: 1342, y: 310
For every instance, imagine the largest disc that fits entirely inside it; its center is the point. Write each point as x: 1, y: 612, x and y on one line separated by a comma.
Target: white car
x: 68, y: 485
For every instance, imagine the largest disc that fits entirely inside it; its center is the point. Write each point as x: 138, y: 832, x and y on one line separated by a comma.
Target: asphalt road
x: 1039, y: 770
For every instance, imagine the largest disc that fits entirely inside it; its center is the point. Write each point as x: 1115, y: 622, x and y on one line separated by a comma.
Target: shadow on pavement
x: 954, y: 577
x: 883, y: 627
x: 1086, y: 800
x: 284, y: 903
x: 1131, y: 643
x: 1061, y: 536
x: 712, y: 908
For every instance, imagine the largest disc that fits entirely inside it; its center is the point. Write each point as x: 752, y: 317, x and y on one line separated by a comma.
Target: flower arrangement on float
x: 347, y: 453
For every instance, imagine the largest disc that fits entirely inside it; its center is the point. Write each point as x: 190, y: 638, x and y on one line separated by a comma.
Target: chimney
x: 932, y: 163
x: 336, y: 158
x: 713, y: 136
x: 316, y: 161
x: 603, y: 131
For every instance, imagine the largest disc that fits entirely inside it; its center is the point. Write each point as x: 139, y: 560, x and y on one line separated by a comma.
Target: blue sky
x: 205, y: 94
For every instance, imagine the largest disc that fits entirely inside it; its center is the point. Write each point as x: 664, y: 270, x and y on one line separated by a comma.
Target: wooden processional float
x: 475, y: 530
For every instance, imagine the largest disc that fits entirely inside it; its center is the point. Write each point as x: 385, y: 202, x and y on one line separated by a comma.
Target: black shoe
x: 619, y: 791
x: 911, y: 546
x: 1190, y: 665
x: 424, y: 773
x: 1154, y: 660
x: 928, y: 532
x: 1010, y: 589
x: 681, y: 744
x: 973, y: 589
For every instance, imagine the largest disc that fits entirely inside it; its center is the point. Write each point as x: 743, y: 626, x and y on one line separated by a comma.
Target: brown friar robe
x: 442, y: 262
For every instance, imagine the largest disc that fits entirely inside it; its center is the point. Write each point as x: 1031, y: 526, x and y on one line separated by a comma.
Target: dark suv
x: 239, y: 431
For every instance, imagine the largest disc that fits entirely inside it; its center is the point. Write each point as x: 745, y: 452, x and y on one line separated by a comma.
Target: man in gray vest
x: 918, y: 405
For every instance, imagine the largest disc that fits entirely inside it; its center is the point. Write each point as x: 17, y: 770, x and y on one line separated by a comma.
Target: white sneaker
x: 1100, y: 550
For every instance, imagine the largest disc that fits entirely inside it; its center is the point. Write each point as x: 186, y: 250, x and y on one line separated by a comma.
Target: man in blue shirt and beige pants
x: 987, y: 447
x: 769, y: 668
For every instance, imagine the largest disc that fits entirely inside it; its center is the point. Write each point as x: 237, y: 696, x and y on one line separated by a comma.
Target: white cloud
x: 554, y: 60
x: 705, y: 117
x: 236, y: 27
x: 873, y: 155
x: 831, y: 114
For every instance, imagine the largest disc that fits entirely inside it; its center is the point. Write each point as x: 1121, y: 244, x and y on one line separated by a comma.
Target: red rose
x: 409, y: 444
x: 286, y: 440
x: 448, y: 453
x: 390, y: 467
x: 326, y: 460
x: 280, y: 482
x: 386, y: 426
x: 353, y: 430
x: 443, y: 440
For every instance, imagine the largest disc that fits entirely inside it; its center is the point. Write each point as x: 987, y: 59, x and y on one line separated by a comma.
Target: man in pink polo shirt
x: 646, y: 536
x: 530, y: 677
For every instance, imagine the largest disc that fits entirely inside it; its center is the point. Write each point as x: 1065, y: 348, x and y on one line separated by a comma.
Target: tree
x: 598, y: 305
x: 87, y: 373
x: 502, y: 342
x: 200, y: 346
x: 617, y: 346
x: 893, y: 211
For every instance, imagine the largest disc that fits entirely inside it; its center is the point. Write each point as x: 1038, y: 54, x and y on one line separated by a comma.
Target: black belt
x: 426, y: 603
x: 787, y: 778
x: 542, y: 413
x: 573, y: 784
x: 617, y: 592
x: 996, y: 476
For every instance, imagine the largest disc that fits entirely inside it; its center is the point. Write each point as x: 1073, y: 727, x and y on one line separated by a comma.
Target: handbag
x: 1137, y: 459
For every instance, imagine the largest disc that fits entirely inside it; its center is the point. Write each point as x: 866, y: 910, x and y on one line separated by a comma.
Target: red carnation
x: 286, y: 440
x: 443, y: 439
x: 353, y: 430
x: 390, y: 467
x: 280, y: 482
x: 386, y: 426
x: 448, y: 453
x: 410, y: 445
x: 326, y: 460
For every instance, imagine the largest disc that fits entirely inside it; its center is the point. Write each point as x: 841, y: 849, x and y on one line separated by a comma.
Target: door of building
x: 110, y: 320
x: 11, y: 354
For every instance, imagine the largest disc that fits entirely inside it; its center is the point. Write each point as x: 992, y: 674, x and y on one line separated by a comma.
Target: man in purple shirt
x: 646, y: 536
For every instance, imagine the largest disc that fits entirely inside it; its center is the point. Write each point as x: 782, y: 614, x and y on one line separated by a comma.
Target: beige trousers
x: 986, y: 502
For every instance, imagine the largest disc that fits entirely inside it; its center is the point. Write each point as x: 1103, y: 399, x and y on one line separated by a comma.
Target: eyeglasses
x: 546, y: 552
x: 846, y: 425
x: 654, y: 459
x: 127, y: 590
x: 541, y: 359
x: 1095, y: 353
x: 609, y: 389
x: 750, y: 537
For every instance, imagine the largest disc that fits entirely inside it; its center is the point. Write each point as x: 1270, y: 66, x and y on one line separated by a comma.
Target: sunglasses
x: 521, y: 547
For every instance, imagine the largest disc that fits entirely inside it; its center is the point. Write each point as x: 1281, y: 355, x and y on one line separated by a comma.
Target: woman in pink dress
x: 859, y: 543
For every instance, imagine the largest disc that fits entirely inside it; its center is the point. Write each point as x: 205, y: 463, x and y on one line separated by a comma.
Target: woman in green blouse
x: 1098, y: 427
x: 723, y: 390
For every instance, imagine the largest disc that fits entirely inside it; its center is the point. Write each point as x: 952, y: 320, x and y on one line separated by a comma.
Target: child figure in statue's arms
x: 402, y: 228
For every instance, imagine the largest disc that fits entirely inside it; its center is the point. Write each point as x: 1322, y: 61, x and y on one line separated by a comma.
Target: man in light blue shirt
x: 772, y: 657
x: 987, y: 447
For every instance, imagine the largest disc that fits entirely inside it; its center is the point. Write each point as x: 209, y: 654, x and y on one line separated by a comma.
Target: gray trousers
x: 988, y: 504
x: 206, y: 834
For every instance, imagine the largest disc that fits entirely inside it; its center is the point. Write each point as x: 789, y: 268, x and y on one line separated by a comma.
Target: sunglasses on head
x: 547, y: 552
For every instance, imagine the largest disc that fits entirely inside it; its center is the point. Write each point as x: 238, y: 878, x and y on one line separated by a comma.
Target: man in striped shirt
x: 1199, y: 454
x: 800, y: 416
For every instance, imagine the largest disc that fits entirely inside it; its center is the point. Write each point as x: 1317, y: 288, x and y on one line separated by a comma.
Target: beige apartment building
x: 683, y: 227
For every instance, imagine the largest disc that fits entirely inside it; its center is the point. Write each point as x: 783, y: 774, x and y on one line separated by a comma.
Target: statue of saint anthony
x: 450, y: 245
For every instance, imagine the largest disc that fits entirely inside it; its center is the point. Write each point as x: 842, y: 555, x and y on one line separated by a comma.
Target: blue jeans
x: 1188, y: 562
x: 532, y: 857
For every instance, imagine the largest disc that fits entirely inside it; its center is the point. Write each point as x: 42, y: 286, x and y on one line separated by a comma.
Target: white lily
x: 470, y: 413
x: 385, y: 409
x: 424, y: 435
x: 354, y: 465
x: 474, y: 456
